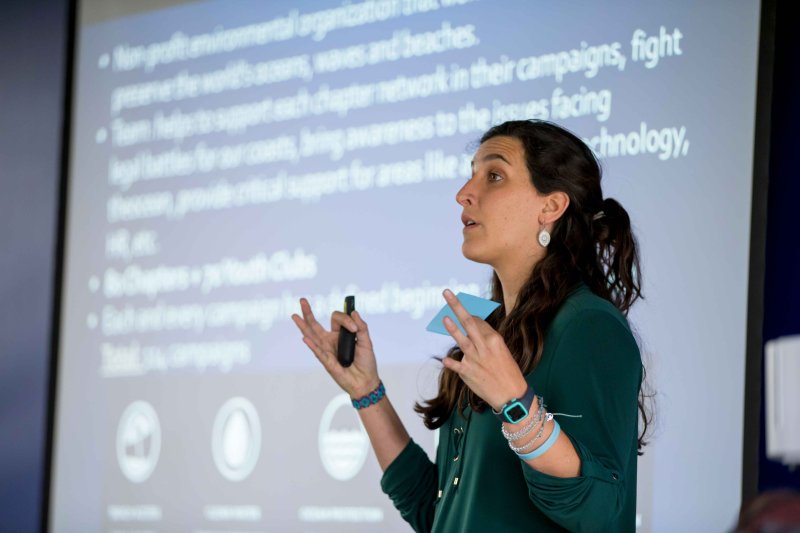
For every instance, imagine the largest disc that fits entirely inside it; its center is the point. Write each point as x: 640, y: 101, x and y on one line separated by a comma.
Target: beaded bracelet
x: 521, y: 449
x: 544, y: 447
x: 370, y: 399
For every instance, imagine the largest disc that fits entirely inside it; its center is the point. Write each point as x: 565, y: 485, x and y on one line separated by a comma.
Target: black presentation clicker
x: 347, y: 339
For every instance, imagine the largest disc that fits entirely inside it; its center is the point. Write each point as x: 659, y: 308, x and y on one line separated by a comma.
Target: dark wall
x: 782, y: 274
x: 32, y: 61
x: 32, y: 66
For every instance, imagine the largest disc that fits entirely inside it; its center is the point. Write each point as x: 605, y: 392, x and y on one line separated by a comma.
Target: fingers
x: 327, y: 359
x: 466, y: 319
x: 462, y: 340
x: 340, y: 319
x: 304, y: 328
x: 322, y: 342
x: 308, y: 317
x: 362, y: 326
x: 363, y: 330
x: 452, y: 364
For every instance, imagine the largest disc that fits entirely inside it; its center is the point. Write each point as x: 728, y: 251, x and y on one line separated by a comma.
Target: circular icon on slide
x: 236, y: 439
x: 138, y: 441
x: 343, y: 441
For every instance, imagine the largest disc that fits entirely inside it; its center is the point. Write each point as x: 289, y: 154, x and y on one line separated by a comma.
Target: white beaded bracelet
x: 521, y: 449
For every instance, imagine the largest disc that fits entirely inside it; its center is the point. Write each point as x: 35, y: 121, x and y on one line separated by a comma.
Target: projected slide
x: 228, y: 157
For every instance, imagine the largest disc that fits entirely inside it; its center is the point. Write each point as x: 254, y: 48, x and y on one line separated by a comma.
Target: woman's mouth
x: 470, y: 225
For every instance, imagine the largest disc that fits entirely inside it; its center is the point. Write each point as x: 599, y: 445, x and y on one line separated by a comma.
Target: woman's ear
x: 555, y: 204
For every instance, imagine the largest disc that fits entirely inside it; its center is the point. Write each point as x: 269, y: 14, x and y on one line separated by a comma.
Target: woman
x: 566, y: 272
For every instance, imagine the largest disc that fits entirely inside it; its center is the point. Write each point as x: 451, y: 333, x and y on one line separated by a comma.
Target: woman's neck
x: 512, y: 280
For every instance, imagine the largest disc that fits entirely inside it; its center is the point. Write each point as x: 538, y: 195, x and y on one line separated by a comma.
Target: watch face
x: 515, y: 412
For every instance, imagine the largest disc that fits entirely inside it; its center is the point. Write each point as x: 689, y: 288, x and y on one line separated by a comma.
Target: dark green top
x: 590, y: 367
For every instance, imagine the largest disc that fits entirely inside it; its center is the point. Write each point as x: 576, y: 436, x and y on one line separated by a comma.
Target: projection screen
x: 228, y: 157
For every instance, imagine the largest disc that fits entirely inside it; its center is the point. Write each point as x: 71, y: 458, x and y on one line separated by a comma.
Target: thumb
x: 362, y: 326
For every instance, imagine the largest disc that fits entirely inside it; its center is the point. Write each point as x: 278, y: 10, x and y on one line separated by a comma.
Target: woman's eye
x: 494, y: 176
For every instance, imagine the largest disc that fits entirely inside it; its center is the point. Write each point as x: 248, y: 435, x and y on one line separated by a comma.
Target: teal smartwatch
x: 517, y: 409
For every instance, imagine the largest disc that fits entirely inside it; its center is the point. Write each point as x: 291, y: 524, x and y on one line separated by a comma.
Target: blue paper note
x: 475, y: 305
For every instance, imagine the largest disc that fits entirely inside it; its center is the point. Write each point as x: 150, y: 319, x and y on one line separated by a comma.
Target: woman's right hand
x: 360, y: 378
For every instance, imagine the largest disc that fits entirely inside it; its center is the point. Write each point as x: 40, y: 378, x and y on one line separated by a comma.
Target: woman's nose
x: 465, y: 195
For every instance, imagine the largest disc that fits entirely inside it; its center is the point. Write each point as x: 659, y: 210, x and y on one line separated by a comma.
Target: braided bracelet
x: 370, y: 399
x: 528, y: 427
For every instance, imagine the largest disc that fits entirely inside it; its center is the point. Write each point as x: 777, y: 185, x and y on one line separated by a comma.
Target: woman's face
x: 501, y: 207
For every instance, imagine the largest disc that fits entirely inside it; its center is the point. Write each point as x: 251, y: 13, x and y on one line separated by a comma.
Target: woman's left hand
x: 488, y: 368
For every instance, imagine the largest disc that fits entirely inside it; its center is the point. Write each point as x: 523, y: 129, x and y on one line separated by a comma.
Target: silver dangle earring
x: 544, y: 237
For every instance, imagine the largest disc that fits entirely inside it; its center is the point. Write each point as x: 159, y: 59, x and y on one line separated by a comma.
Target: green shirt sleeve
x: 410, y: 481
x: 595, y: 373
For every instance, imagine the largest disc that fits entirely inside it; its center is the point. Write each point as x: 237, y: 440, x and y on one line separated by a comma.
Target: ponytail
x: 617, y: 255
